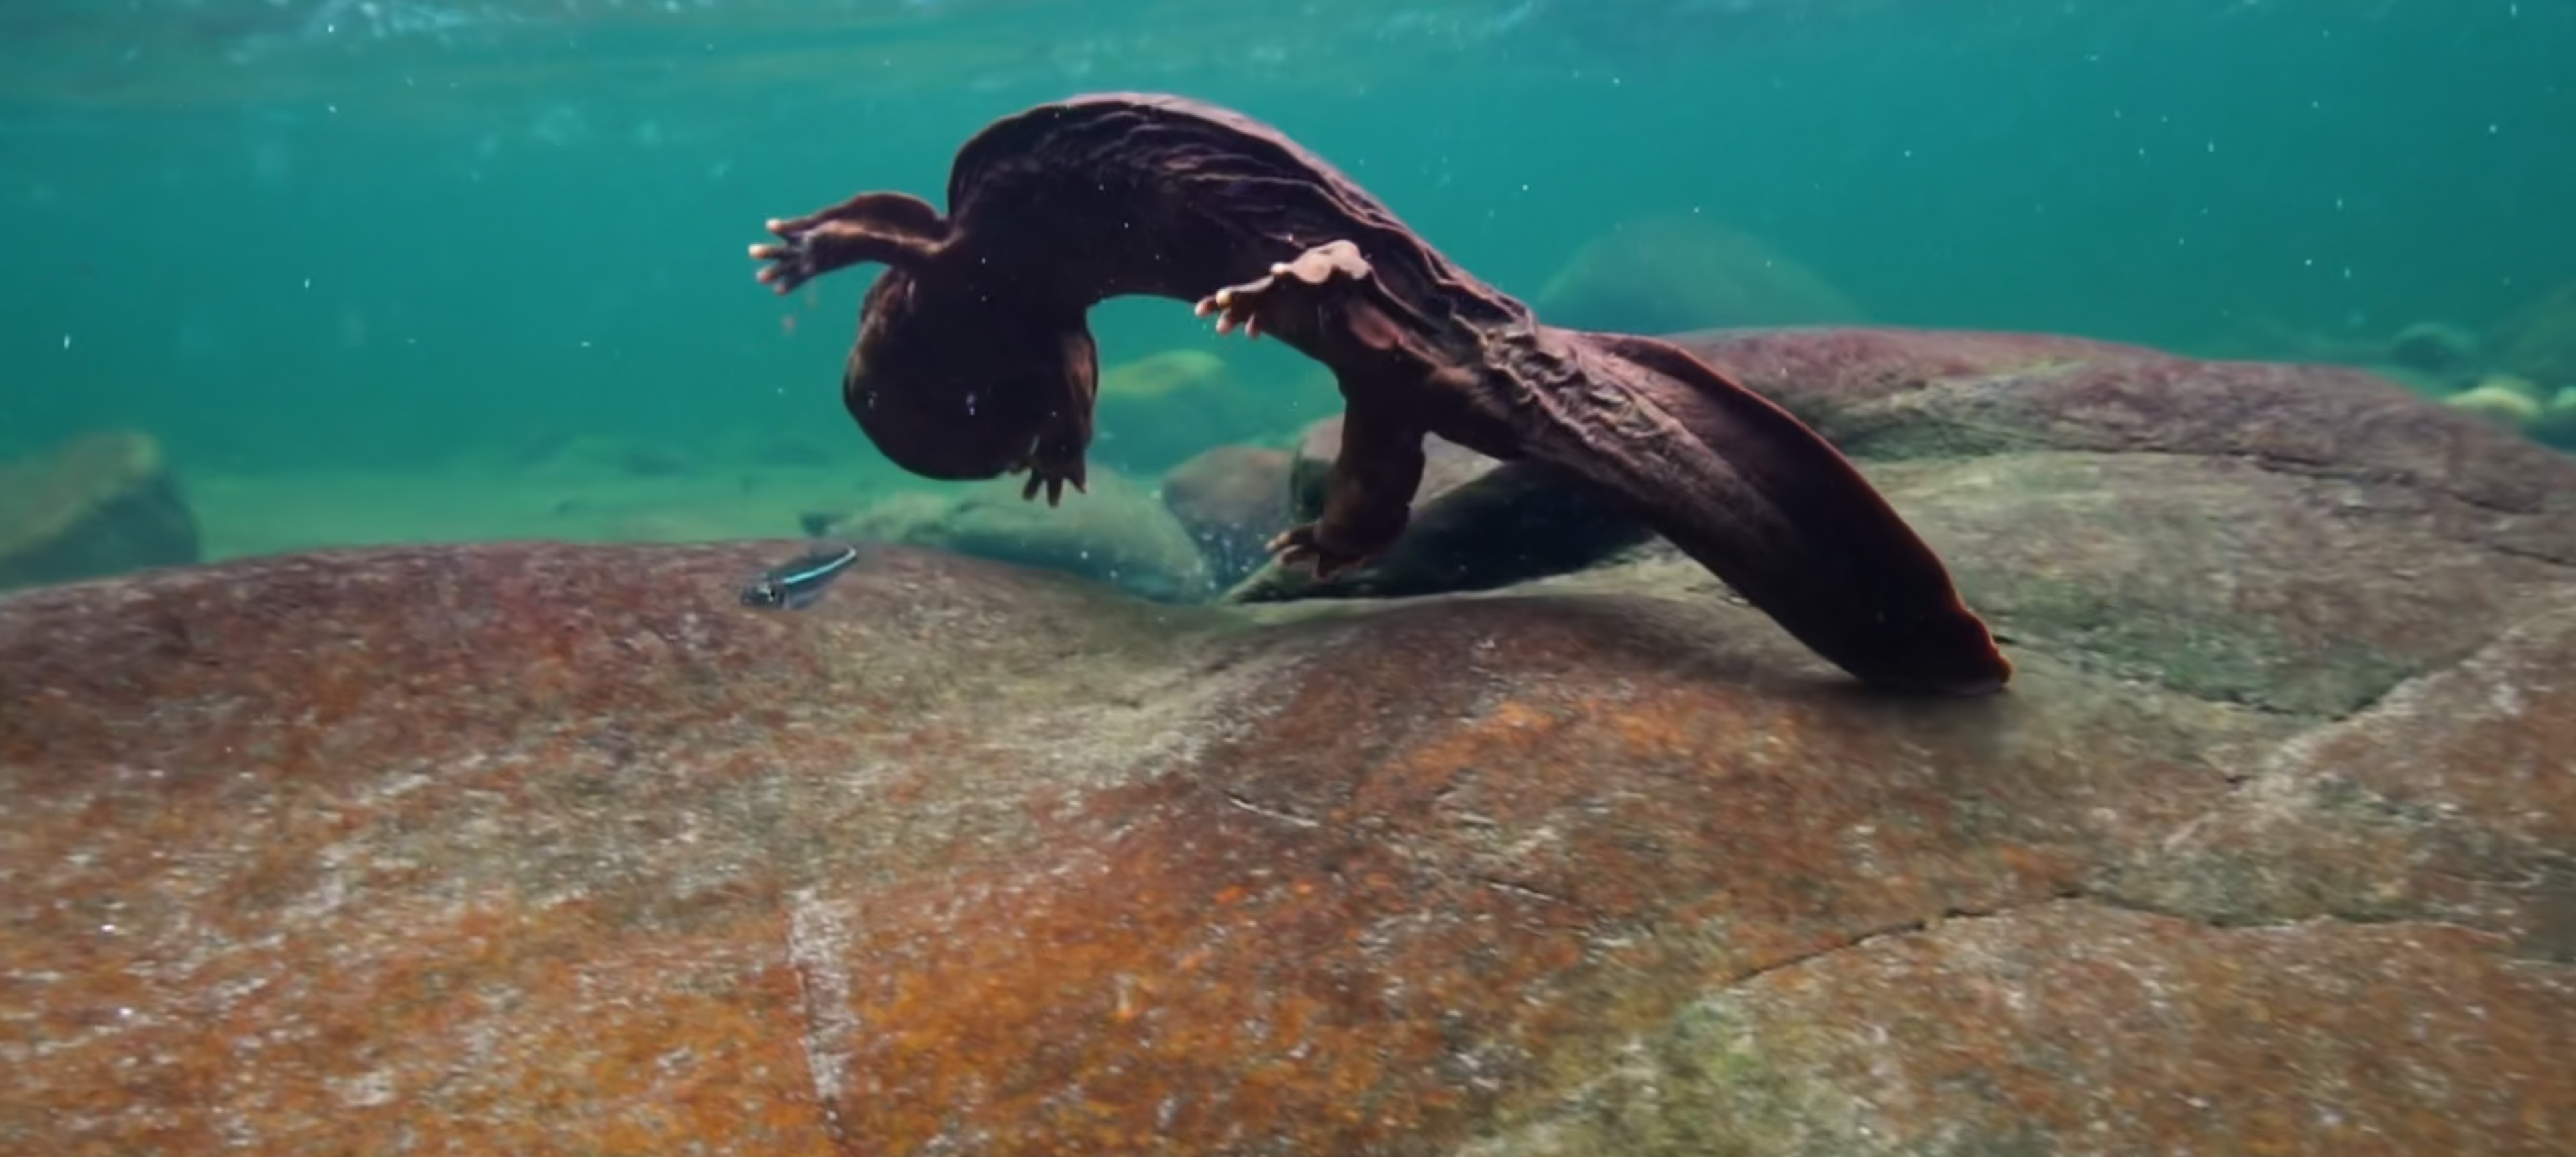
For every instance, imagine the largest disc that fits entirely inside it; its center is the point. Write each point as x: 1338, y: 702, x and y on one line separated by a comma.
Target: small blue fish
x: 795, y: 584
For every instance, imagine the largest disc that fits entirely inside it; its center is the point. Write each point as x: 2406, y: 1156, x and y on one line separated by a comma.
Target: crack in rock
x: 818, y: 950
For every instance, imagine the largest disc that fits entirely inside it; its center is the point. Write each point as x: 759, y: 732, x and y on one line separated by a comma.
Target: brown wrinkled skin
x: 974, y: 359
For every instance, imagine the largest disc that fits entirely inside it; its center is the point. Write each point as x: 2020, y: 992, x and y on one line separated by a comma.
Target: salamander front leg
x: 1056, y: 461
x: 891, y: 228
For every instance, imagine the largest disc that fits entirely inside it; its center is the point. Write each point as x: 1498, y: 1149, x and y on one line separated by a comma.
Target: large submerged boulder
x: 552, y: 849
x: 1232, y: 500
x: 101, y: 504
x: 1686, y: 271
x: 1114, y: 531
x: 2538, y: 342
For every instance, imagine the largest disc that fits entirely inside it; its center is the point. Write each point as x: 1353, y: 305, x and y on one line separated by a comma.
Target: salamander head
x: 959, y: 386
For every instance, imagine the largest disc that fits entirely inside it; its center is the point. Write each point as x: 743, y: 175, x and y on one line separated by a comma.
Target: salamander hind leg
x: 1328, y: 303
x: 1275, y: 301
x: 1368, y: 497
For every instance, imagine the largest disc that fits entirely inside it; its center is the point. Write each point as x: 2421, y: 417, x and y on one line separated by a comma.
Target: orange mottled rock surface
x: 548, y: 849
x: 101, y: 504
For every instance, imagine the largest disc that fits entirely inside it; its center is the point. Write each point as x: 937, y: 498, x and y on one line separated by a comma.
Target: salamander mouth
x: 936, y: 434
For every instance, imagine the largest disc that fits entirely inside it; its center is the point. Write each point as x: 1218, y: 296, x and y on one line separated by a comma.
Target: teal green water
x: 307, y: 234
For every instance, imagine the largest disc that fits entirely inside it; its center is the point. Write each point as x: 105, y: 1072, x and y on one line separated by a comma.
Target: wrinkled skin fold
x: 974, y: 359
